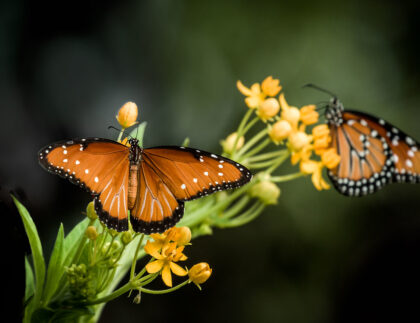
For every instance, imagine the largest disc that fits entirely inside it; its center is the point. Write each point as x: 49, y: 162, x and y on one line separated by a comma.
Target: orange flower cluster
x: 288, y: 125
x: 167, y: 248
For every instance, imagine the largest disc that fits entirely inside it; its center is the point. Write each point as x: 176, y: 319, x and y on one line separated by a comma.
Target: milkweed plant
x: 88, y: 263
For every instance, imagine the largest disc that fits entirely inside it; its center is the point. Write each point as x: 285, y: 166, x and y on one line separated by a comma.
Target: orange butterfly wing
x: 192, y: 173
x: 101, y: 167
x: 156, y: 208
x: 373, y: 153
x: 168, y: 176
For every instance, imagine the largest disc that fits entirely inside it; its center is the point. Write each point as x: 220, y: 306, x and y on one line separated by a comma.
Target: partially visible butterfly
x: 373, y: 152
x: 152, y: 183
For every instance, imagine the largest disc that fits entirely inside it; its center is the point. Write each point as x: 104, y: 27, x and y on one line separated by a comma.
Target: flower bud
x: 308, y: 115
x: 271, y: 86
x: 330, y: 158
x: 184, y: 236
x: 90, y: 211
x: 320, y: 131
x: 229, y: 142
x: 280, y: 131
x: 127, y: 115
x: 292, y: 115
x: 115, y: 245
x: 137, y: 299
x: 126, y: 237
x: 268, y: 109
x: 199, y: 273
x: 91, y: 232
x: 267, y: 192
x: 298, y: 140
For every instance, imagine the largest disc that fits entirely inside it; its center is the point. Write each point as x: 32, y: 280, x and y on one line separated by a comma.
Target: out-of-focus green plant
x: 88, y: 263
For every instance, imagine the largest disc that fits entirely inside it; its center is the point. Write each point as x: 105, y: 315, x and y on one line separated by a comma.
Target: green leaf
x: 72, y: 241
x: 36, y: 248
x: 55, y: 267
x: 138, y: 132
x: 29, y: 281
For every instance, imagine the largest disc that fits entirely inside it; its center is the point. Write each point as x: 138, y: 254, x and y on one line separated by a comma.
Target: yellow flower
x: 321, y: 144
x: 330, y: 158
x: 127, y: 115
x: 280, y: 131
x: 166, y: 263
x: 229, y: 142
x: 271, y: 86
x: 308, y: 115
x: 290, y: 114
x: 320, y: 131
x: 199, y: 273
x: 299, y: 139
x: 254, y: 96
x: 314, y: 168
x: 181, y: 235
x: 303, y: 154
x: 268, y: 109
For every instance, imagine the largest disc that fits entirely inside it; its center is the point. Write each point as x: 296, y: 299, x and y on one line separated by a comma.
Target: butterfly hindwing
x: 156, y: 208
x: 192, y: 173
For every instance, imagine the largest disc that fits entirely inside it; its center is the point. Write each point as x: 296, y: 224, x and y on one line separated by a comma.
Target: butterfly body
x: 373, y: 152
x: 152, y: 183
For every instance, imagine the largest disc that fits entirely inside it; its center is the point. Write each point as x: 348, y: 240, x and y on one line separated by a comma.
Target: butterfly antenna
x: 119, y: 130
x: 316, y: 87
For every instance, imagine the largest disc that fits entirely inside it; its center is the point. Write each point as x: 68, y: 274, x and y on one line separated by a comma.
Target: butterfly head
x: 334, y: 111
x: 135, y: 150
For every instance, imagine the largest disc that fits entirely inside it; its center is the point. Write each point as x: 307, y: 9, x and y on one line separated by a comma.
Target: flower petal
x: 166, y: 275
x: 152, y: 248
x: 177, y: 270
x: 154, y: 266
x: 243, y: 89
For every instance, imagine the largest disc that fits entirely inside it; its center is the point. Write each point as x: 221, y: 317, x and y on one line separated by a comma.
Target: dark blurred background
x: 66, y: 67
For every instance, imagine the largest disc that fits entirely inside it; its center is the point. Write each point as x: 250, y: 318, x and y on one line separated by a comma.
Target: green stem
x: 133, y: 265
x: 164, y: 291
x: 240, y: 129
x: 285, y: 178
x: 120, y: 135
x: 263, y: 164
x: 232, y: 211
x: 248, y: 216
x: 278, y: 163
x: 257, y: 149
x: 250, y: 125
x: 266, y: 155
x: 252, y: 142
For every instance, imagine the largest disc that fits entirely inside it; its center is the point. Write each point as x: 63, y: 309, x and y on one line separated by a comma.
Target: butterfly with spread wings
x: 152, y: 183
x: 373, y: 152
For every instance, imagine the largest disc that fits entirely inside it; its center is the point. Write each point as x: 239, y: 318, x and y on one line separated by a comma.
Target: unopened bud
x: 127, y: 115
x: 280, y: 131
x: 91, y: 232
x: 267, y: 192
x: 199, y: 273
x: 229, y: 142
x: 268, y: 109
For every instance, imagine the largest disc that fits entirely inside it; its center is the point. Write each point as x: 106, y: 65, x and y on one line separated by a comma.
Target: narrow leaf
x: 55, y: 267
x: 36, y: 248
x: 29, y: 280
x: 138, y: 132
x: 72, y: 241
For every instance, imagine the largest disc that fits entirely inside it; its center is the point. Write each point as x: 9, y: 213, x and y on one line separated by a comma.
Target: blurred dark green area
x: 66, y: 67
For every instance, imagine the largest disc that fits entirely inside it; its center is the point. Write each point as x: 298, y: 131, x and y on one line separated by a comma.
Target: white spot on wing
x: 183, y: 186
x: 86, y: 171
x: 96, y: 179
x: 77, y: 162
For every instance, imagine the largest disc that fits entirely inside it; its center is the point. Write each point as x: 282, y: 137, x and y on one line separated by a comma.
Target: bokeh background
x: 66, y: 67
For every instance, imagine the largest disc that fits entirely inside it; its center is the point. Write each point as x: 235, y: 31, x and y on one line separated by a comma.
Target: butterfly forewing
x: 191, y: 173
x: 98, y: 165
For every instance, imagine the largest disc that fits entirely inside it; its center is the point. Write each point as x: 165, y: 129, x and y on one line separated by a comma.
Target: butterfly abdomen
x: 132, y: 185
